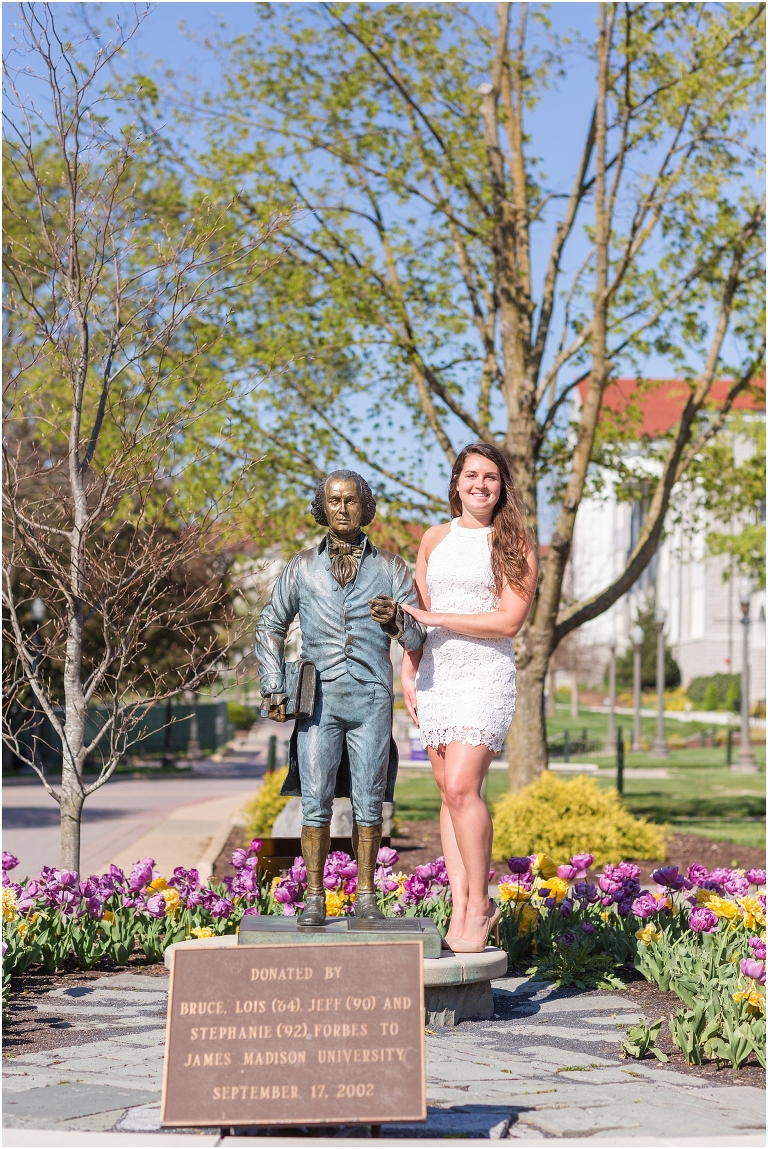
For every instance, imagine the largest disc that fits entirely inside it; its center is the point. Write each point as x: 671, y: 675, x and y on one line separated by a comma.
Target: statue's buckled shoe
x: 313, y: 913
x: 366, y: 907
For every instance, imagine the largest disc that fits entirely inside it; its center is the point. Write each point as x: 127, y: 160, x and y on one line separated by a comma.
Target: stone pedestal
x: 269, y: 930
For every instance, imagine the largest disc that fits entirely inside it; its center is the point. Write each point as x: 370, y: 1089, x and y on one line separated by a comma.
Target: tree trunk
x: 71, y: 811
x: 527, y: 738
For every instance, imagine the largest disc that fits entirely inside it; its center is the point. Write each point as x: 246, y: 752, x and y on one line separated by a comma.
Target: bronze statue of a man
x: 346, y: 593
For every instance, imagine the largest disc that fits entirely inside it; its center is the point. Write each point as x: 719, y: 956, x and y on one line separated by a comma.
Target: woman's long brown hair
x: 510, y: 541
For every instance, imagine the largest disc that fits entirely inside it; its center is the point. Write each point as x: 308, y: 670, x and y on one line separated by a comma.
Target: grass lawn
x: 699, y: 796
x: 596, y: 726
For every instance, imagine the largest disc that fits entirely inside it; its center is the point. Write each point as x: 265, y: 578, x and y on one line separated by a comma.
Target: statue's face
x: 343, y: 507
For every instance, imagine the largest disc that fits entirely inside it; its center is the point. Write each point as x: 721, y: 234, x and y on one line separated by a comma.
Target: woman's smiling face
x: 479, y: 485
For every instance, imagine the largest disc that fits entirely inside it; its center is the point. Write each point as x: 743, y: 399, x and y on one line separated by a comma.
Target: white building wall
x: 703, y: 613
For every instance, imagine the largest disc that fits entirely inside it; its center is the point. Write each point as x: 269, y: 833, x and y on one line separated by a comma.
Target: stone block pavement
x: 545, y: 1068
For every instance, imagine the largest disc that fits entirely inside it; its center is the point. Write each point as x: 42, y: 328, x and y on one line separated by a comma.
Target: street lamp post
x: 37, y: 611
x: 610, y: 744
x: 660, y: 748
x: 745, y: 763
x: 193, y: 744
x: 637, y: 642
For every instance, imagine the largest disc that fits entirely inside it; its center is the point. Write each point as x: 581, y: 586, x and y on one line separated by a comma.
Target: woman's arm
x: 505, y: 622
x: 408, y: 669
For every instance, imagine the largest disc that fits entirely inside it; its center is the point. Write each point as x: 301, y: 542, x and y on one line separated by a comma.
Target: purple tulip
x: 34, y: 889
x: 25, y: 902
x: 582, y: 861
x: 10, y: 861
x: 116, y: 875
x: 298, y: 871
x: 586, y: 891
x: 384, y: 880
x: 95, y: 907
x: 155, y: 906
x: 736, y: 886
x: 219, y: 907
x: 67, y: 878
x: 397, y: 910
x: 255, y: 846
x: 519, y: 865
x: 753, y: 969
x: 702, y: 921
x: 566, y: 907
x: 610, y: 882
x: 350, y: 886
x: 757, y: 945
x: 387, y: 857
x: 414, y: 889
x: 141, y: 874
x: 426, y: 873
x: 239, y: 858
x: 645, y: 906
x: 287, y: 892
x: 719, y: 875
x: 628, y: 870
x: 67, y: 900
x: 568, y: 873
x: 288, y: 910
x: 669, y: 876
x: 756, y: 877
x: 698, y: 873
x: 185, y: 881
x: 568, y: 939
x: 587, y: 927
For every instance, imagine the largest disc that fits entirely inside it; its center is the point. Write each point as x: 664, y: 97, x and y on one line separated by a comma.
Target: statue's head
x: 344, y: 502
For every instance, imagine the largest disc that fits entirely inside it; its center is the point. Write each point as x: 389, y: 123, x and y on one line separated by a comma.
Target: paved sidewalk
x: 177, y: 820
x: 546, y: 1067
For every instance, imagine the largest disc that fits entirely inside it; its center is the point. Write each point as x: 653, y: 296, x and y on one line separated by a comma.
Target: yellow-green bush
x: 262, y: 810
x: 560, y: 817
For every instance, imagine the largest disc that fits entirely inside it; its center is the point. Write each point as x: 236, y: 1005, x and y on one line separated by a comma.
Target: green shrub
x: 560, y: 817
x: 262, y: 810
x: 241, y: 717
x: 626, y: 662
x: 715, y: 691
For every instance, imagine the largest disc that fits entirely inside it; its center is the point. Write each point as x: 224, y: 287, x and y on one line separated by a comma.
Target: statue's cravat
x: 345, y: 557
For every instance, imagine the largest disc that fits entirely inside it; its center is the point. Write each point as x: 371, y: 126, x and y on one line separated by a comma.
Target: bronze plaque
x: 295, y: 1035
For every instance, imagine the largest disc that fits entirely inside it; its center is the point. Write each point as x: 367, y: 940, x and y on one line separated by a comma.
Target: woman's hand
x: 425, y: 617
x: 408, y: 683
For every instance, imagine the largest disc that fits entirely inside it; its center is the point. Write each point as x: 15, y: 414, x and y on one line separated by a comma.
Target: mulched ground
x: 649, y: 1000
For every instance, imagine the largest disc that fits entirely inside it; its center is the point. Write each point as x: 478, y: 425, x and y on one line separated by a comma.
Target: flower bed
x: 701, y: 936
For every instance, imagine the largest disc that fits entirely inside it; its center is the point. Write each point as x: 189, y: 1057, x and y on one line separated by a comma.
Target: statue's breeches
x: 361, y: 712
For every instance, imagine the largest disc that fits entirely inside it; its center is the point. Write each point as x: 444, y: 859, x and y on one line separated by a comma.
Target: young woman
x: 476, y: 577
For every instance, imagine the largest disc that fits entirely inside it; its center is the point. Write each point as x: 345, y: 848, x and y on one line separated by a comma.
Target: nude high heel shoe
x: 461, y: 946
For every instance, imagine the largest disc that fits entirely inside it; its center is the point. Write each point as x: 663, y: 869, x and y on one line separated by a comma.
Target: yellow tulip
x: 158, y: 885
x: 172, y: 899
x: 723, y: 907
x: 10, y: 903
x: 511, y: 891
x: 752, y: 909
x: 528, y: 919
x: 334, y: 903
x: 22, y: 929
x: 649, y: 934
x: 544, y: 866
x: 557, y: 887
x: 108, y: 916
x: 203, y: 932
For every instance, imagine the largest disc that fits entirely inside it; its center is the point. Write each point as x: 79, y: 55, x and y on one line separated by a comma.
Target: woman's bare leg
x: 463, y: 773
x: 457, y: 875
x: 466, y: 831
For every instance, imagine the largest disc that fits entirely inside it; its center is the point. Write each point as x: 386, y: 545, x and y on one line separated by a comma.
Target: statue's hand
x: 277, y: 705
x: 387, y: 613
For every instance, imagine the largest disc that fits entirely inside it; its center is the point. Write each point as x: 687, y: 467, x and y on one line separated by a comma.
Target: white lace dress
x: 465, y: 687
